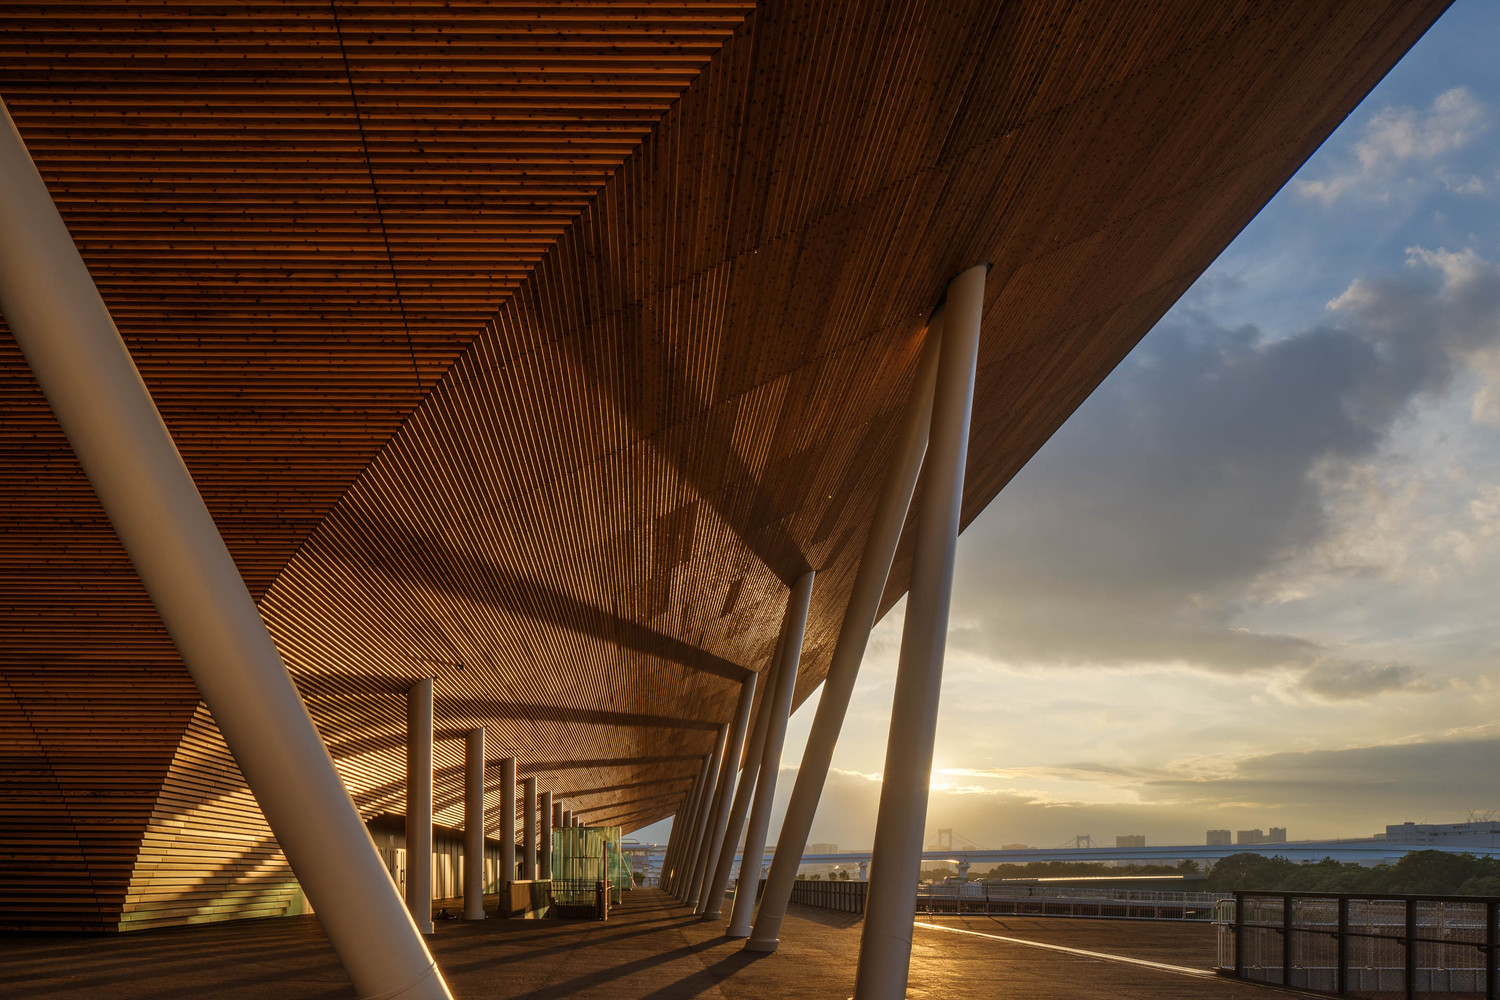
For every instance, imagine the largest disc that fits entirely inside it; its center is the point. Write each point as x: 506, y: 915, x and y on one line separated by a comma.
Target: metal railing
x: 1362, y: 945
x: 847, y: 897
x: 1010, y: 899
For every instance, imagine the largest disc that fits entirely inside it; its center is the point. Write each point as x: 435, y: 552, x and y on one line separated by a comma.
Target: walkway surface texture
x: 649, y: 949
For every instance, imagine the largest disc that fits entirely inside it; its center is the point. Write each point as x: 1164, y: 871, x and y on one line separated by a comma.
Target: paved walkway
x: 648, y: 950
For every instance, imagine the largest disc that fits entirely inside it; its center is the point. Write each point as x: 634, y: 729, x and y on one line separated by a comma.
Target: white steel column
x: 474, y: 825
x: 419, y: 804
x: 544, y: 862
x: 558, y: 815
x: 770, y: 761
x: 685, y: 819
x: 719, y: 818
x: 528, y: 828
x: 666, y: 855
x: 70, y: 342
x: 507, y: 829
x: 749, y: 775
x: 885, y: 942
x: 849, y: 651
x: 688, y: 891
x: 567, y: 818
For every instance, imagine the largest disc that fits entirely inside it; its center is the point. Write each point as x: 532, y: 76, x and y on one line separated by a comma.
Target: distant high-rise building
x: 1250, y: 837
x: 1219, y: 838
x: 1131, y: 840
x: 822, y: 849
x: 1277, y: 835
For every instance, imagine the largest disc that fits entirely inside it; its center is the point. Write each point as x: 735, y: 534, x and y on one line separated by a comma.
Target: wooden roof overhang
x: 538, y: 349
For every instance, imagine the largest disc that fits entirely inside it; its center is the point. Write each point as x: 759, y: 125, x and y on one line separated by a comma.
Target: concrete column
x: 719, y: 817
x: 83, y: 367
x: 770, y: 761
x: 474, y: 825
x: 419, y: 804
x: 544, y: 860
x: 864, y: 871
x: 528, y: 828
x: 742, y: 793
x: 567, y: 818
x: 507, y: 826
x: 559, y: 815
x: 849, y: 650
x: 885, y: 942
x: 688, y: 892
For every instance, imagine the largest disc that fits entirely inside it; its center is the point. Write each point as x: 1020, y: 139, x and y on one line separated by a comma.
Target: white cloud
x: 1398, y: 137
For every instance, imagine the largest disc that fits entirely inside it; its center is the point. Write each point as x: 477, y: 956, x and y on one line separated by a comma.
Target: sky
x: 1254, y: 581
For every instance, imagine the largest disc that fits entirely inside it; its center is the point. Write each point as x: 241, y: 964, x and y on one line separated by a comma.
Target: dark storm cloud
x: 1135, y: 534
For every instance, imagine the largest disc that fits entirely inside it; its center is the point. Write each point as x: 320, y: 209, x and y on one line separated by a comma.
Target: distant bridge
x: 1364, y: 851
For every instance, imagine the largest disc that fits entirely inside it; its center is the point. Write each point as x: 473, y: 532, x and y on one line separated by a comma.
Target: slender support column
x: 528, y: 829
x: 507, y: 825
x: 685, y: 818
x: 849, y: 651
x: 719, y: 818
x: 474, y: 825
x: 419, y: 804
x: 885, y: 943
x: 749, y: 774
x: 544, y: 858
x: 559, y: 815
x: 666, y: 855
x: 770, y: 761
x: 723, y: 774
x: 689, y: 892
x: 70, y: 342
x: 567, y: 818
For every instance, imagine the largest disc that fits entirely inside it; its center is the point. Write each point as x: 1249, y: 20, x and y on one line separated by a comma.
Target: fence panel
x: 1374, y: 947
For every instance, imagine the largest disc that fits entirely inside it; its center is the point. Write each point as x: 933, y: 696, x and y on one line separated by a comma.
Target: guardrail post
x: 1287, y: 915
x: 1239, y: 935
x: 1411, y: 949
x: 1341, y: 974
x: 1491, y: 937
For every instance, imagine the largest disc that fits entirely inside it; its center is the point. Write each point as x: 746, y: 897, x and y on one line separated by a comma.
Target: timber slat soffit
x: 544, y: 371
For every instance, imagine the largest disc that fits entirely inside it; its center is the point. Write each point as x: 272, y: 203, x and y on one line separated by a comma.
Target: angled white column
x: 528, y: 828
x: 567, y: 818
x: 687, y: 893
x: 719, y: 818
x: 770, y: 760
x: 507, y: 827
x: 474, y: 825
x: 885, y: 942
x: 419, y: 804
x: 849, y: 651
x: 558, y: 815
x: 70, y: 342
x: 666, y: 855
x: 743, y: 792
x: 685, y: 819
x: 544, y: 861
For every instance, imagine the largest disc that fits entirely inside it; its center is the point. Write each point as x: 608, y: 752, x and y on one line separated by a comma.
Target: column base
x: 711, y: 915
x: 764, y: 947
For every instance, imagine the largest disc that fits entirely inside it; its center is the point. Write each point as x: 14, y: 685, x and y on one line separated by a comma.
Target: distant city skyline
x: 1251, y: 582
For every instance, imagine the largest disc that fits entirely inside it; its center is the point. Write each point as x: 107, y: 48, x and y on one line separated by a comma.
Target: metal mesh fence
x: 1380, y: 948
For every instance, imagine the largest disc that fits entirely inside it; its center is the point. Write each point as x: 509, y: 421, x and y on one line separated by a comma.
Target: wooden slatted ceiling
x: 251, y: 234
x: 688, y: 399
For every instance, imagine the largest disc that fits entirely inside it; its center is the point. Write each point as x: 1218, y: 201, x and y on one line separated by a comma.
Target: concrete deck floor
x: 648, y: 950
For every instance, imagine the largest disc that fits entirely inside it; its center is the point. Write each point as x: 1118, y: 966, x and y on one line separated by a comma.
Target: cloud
x: 1215, y: 473
x: 1397, y: 137
x: 1352, y: 681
